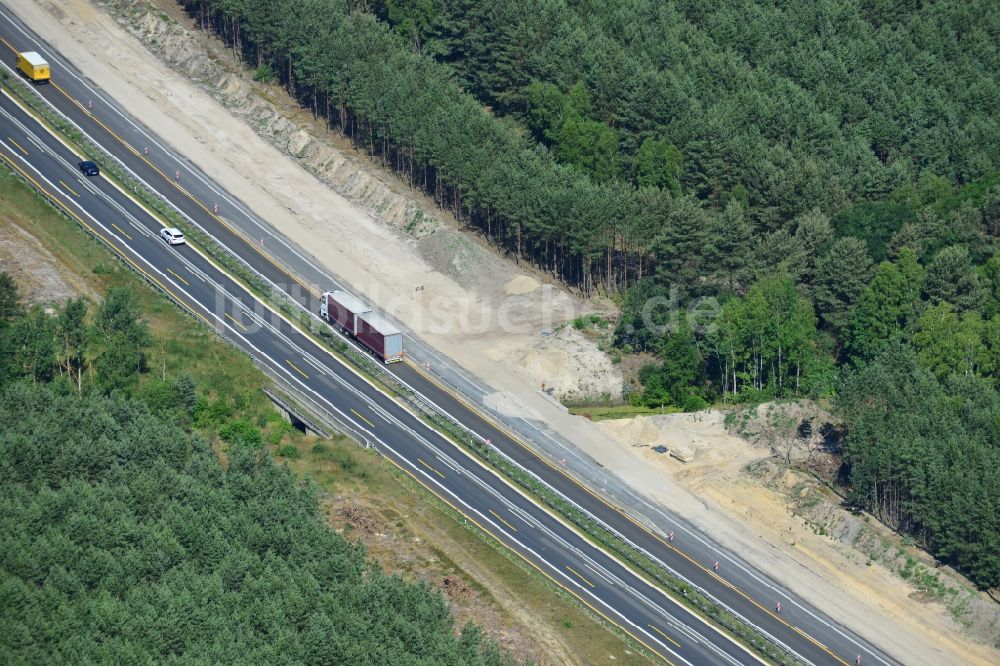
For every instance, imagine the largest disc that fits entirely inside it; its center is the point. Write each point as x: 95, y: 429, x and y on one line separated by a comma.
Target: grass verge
x: 231, y: 383
x: 179, y: 347
x: 598, y: 534
x: 396, y: 497
x: 110, y: 168
x: 605, y: 412
x: 679, y: 589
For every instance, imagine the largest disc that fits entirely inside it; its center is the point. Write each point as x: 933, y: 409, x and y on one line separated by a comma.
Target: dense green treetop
x: 925, y: 456
x: 603, y: 122
x: 823, y: 176
x: 872, y: 94
x: 125, y: 540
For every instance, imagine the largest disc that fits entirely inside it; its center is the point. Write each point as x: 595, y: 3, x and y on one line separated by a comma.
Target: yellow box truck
x: 33, y: 66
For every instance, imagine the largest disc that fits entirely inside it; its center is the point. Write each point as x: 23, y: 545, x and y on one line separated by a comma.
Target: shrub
x: 289, y: 451
x: 241, y: 433
x: 187, y: 394
x: 160, y: 395
x: 589, y: 321
x: 694, y: 403
x: 346, y: 461
x: 201, y: 411
x: 263, y: 74
x: 218, y: 411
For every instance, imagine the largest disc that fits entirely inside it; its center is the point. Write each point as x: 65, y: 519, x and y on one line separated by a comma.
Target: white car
x: 172, y: 236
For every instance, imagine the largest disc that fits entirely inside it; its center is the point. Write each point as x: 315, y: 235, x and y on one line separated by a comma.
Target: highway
x: 556, y: 551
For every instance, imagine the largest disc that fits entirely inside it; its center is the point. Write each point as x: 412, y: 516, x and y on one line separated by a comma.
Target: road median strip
x: 596, y: 531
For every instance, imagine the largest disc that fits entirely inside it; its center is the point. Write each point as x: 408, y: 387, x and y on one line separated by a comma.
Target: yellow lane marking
x: 208, y: 210
x: 97, y: 234
x: 660, y: 632
x: 445, y: 500
x: 296, y: 368
x: 17, y: 145
x: 579, y: 575
x: 566, y: 588
x: 516, y: 440
x: 315, y: 293
x: 569, y: 590
x: 122, y: 232
x: 232, y: 319
x: 178, y: 277
x: 800, y: 631
x: 497, y: 516
x: 71, y: 190
x: 362, y: 417
x: 421, y: 461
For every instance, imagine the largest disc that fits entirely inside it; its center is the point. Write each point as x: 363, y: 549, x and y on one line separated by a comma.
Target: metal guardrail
x: 295, y: 412
x: 323, y: 414
x: 406, y: 394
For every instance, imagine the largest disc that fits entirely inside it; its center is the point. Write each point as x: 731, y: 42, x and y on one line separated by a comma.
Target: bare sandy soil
x: 566, y: 361
x: 358, y: 223
x: 815, y: 543
x: 366, y: 226
x: 536, y: 629
x: 405, y: 533
x: 39, y: 276
x: 474, y: 592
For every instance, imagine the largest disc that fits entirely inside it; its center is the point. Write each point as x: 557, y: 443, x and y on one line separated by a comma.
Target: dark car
x: 89, y: 168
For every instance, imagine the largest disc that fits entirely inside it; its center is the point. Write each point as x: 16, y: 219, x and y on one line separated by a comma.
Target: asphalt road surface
x: 588, y: 573
x: 190, y: 279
